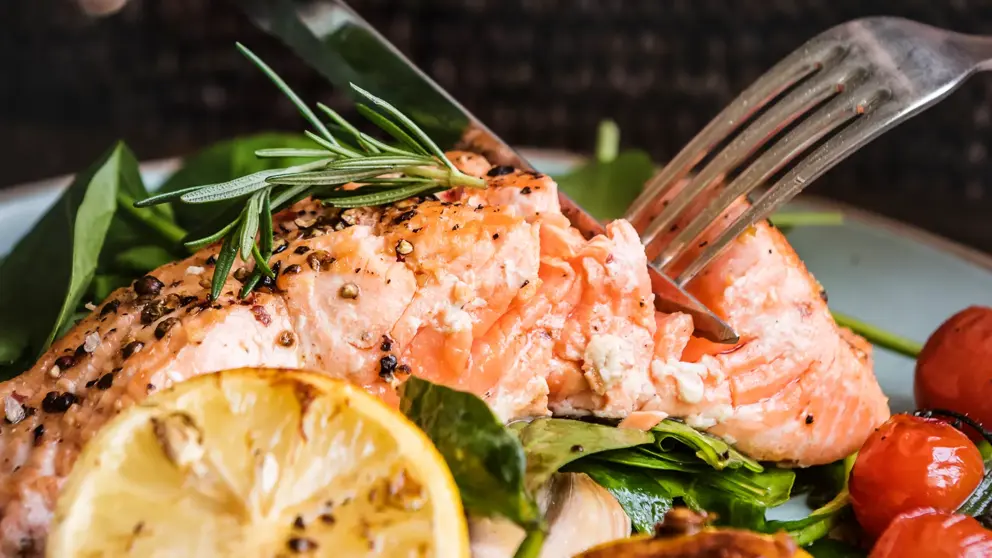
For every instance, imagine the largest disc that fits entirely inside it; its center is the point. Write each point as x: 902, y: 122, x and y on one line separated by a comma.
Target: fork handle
x: 977, y: 48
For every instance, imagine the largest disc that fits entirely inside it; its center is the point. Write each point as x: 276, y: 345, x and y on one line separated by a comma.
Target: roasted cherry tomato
x: 911, y: 462
x: 934, y: 534
x: 954, y: 370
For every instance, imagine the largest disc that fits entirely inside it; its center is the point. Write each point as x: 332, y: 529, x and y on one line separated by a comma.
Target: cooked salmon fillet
x: 489, y: 291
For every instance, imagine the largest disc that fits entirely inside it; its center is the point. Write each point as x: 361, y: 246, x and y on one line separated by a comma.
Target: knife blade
x: 337, y: 42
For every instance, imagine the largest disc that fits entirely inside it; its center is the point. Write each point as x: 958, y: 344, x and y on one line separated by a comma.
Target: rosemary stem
x: 878, y: 336
x: 446, y: 177
x: 172, y: 233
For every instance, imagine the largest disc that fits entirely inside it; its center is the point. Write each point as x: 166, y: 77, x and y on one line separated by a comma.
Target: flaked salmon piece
x: 489, y: 291
x: 775, y: 393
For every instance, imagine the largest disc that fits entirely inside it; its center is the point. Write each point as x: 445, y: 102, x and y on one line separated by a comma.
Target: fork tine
x: 820, y: 88
x: 782, y: 76
x: 834, y: 150
x: 781, y: 153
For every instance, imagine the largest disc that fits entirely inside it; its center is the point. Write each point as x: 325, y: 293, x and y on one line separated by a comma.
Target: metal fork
x: 848, y: 84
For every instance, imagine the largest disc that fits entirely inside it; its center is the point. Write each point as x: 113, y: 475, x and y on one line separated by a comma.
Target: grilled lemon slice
x: 248, y: 463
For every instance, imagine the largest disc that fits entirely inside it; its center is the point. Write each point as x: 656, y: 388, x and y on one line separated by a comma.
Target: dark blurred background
x: 163, y: 75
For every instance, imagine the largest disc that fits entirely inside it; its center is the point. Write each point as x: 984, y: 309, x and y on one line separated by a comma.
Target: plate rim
x: 565, y: 157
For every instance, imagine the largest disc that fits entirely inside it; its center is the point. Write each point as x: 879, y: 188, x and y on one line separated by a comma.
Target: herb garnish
x: 415, y: 167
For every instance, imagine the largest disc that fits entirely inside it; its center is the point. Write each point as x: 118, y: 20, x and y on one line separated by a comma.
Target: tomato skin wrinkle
x: 912, y: 462
x: 954, y: 370
x: 934, y: 534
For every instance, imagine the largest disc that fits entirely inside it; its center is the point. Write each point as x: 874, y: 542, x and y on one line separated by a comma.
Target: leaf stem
x: 532, y: 544
x: 169, y: 231
x: 878, y: 336
x: 790, y: 219
x: 607, y: 141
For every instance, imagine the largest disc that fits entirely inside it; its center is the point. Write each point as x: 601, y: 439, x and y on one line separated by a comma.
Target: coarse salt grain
x: 194, y: 270
x: 91, y: 342
x: 54, y: 372
x: 90, y: 306
x: 13, y: 410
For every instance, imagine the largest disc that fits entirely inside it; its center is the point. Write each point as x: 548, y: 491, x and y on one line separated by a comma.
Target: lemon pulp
x: 259, y: 463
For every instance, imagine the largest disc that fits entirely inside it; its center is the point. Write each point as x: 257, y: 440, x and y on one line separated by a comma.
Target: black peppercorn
x: 131, y: 348
x: 110, y: 307
x: 54, y: 402
x: 148, y: 285
x: 211, y: 260
x: 267, y: 282
x: 500, y: 170
x: 152, y: 311
x: 292, y: 270
x: 105, y: 381
x: 65, y: 362
x: 403, y: 217
x: 387, y: 365
x: 164, y: 326
x: 39, y: 431
x: 301, y: 250
x: 525, y: 190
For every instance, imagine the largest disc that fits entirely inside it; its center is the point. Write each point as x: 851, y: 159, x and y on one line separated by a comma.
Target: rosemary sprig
x: 415, y: 166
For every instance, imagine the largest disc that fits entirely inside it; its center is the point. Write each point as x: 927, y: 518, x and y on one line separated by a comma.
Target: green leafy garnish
x: 712, y: 450
x: 49, y: 271
x: 486, y: 459
x: 550, y: 444
x: 416, y: 166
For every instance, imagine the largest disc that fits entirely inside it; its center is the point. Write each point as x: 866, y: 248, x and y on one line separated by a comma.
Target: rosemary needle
x: 414, y: 167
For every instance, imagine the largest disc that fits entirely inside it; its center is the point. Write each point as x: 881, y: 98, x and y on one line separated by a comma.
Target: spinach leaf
x: 607, y: 188
x: 607, y: 185
x: 712, y: 450
x: 63, y: 250
x: 645, y: 497
x: 770, y: 488
x: 649, y: 458
x: 823, y: 519
x: 550, y: 443
x: 742, y: 513
x: 225, y: 161
x: 486, y: 460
